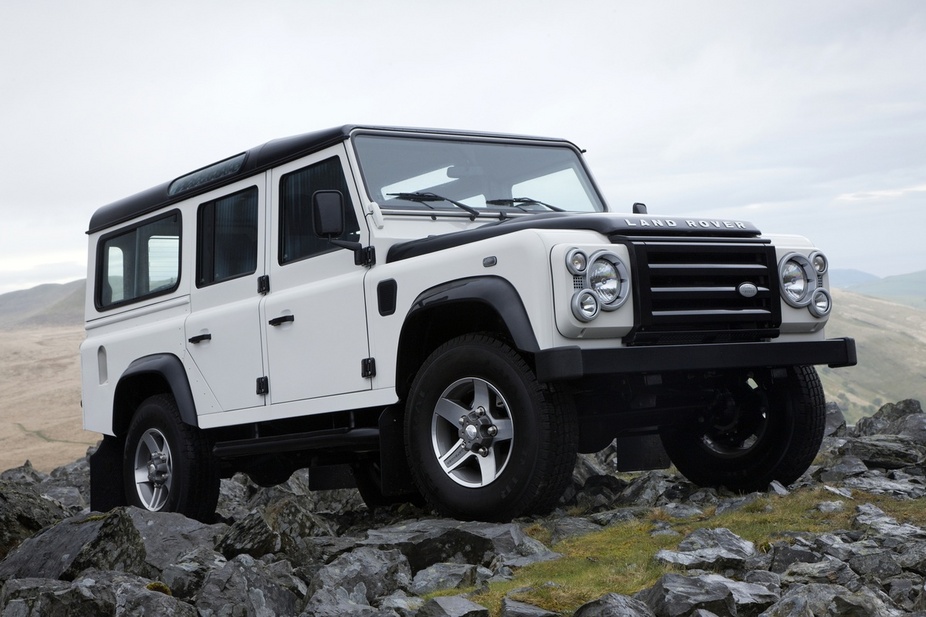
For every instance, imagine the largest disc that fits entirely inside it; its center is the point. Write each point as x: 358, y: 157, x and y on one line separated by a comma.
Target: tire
x: 516, y: 447
x: 167, y: 464
x: 761, y: 429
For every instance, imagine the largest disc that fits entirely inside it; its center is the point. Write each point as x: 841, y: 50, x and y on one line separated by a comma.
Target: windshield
x: 414, y: 173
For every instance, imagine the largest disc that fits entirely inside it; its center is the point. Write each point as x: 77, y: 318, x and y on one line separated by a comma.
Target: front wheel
x: 485, y: 440
x: 167, y: 465
x: 763, y: 426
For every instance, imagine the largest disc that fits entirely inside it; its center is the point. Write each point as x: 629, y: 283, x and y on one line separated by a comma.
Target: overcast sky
x: 802, y: 117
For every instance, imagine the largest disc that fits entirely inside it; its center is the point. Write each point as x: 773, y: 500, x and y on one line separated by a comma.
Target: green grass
x: 621, y: 558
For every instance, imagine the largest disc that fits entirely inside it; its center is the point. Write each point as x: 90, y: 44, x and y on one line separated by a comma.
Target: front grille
x: 690, y: 293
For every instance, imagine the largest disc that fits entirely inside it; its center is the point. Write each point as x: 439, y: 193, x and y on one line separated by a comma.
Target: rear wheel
x: 167, y: 465
x: 485, y: 439
x: 762, y: 426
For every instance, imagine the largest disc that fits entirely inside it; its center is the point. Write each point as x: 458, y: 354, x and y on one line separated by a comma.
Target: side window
x: 139, y: 262
x: 226, y: 238
x: 297, y: 236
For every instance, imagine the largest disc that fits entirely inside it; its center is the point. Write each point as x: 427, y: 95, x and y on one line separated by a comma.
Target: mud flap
x: 106, y: 475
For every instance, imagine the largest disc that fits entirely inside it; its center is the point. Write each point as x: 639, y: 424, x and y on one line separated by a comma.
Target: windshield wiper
x: 424, y: 197
x: 518, y: 202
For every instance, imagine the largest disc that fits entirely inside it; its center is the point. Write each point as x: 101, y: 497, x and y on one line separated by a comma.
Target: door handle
x: 199, y: 338
x: 276, y: 321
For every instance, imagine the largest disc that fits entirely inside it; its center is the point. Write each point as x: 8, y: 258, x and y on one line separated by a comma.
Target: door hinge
x: 365, y: 256
x: 368, y: 367
x: 263, y: 284
x: 263, y: 385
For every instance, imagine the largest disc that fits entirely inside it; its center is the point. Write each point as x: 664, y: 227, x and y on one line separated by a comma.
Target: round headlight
x: 820, y: 263
x: 604, y: 280
x: 798, y: 279
x: 576, y: 261
x: 608, y: 277
x: 821, y: 303
x: 585, y: 305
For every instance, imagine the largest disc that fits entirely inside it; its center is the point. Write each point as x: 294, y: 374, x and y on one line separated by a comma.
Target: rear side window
x: 139, y: 262
x: 226, y: 238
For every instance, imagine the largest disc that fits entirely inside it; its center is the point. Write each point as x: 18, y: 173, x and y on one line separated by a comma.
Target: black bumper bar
x: 565, y: 363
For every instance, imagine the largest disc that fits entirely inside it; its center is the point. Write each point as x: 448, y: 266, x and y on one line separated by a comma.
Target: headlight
x: 576, y: 261
x: 585, y: 305
x: 802, y: 282
x: 602, y: 282
x: 608, y: 277
x: 821, y: 303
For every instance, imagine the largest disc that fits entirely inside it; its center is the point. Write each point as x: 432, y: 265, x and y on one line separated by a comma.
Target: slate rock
x: 339, y: 602
x: 167, y: 535
x: 513, y: 608
x: 428, y: 541
x: 448, y: 576
x: 709, y: 549
x: 296, y: 525
x: 250, y: 535
x: 186, y: 576
x: 246, y: 586
x: 614, y: 605
x: 675, y: 595
x: 889, y: 419
x: 885, y: 451
x: 102, y: 541
x: 23, y: 512
x: 452, y: 606
x: 829, y: 571
x: 379, y: 571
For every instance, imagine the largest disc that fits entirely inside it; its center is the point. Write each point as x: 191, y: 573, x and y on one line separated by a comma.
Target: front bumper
x: 567, y: 363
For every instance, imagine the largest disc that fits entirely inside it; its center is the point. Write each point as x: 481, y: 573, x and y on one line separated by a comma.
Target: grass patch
x: 621, y: 557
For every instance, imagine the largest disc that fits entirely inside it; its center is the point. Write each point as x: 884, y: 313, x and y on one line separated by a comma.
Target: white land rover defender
x: 438, y: 314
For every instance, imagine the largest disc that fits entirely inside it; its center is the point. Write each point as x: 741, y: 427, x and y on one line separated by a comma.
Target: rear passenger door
x: 222, y: 333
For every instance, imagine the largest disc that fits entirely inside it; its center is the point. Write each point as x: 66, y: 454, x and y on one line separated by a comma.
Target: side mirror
x: 328, y: 213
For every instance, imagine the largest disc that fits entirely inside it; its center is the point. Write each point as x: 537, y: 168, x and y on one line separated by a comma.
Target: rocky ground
x: 288, y: 551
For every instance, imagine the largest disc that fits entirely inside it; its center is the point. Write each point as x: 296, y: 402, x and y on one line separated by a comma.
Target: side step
x: 355, y: 439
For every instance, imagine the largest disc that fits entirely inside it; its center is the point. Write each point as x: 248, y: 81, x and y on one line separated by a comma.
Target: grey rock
x: 339, y: 602
x: 829, y: 571
x: 402, y: 604
x: 429, y: 541
x: 379, y: 571
x: 246, y: 586
x: 513, y: 608
x: 841, y: 468
x: 835, y: 421
x: 710, y: 549
x: 251, y: 535
x: 876, y: 482
x: 879, y: 566
x: 872, y: 518
x: 675, y: 595
x: 614, y: 605
x: 186, y: 577
x: 570, y: 527
x: 784, y: 554
x: 25, y: 475
x: 452, y: 606
x: 448, y: 576
x: 167, y: 535
x: 885, y: 451
x: 23, y: 512
x: 889, y: 418
x: 296, y: 525
x: 102, y: 541
x: 680, y: 510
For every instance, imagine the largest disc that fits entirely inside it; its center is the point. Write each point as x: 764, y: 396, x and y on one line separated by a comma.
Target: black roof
x: 255, y: 160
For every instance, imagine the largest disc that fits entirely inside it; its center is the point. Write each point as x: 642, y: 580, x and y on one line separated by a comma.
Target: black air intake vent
x: 689, y: 293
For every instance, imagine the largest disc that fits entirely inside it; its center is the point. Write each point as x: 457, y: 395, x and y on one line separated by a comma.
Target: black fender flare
x: 161, y: 367
x: 494, y: 291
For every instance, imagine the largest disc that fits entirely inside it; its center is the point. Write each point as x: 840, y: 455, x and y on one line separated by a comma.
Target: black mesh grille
x: 689, y: 293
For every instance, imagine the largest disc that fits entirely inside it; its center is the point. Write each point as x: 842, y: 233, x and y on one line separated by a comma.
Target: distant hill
x: 891, y: 341
x: 846, y: 279
x: 45, y: 305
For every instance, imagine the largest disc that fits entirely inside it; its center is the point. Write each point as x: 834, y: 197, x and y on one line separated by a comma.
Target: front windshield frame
x: 435, y: 174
